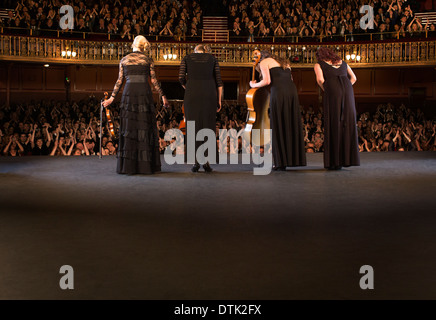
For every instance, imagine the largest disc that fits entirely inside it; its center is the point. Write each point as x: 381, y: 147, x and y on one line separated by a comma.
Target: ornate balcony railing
x: 75, y: 51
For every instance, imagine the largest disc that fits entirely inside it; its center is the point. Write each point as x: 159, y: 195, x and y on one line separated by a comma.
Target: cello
x: 257, y: 106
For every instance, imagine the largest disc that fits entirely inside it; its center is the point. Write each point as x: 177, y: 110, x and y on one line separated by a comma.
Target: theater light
x: 64, y: 53
x: 347, y: 57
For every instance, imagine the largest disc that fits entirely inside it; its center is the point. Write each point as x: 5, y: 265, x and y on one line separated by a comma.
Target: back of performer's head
x: 207, y: 48
x: 267, y: 54
x: 199, y: 48
x: 327, y: 54
x: 140, y: 43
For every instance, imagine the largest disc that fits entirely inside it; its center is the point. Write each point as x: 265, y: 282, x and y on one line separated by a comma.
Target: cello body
x: 257, y: 113
x: 258, y: 117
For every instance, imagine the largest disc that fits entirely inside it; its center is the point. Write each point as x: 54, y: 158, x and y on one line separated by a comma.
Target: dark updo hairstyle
x: 327, y: 54
x: 267, y: 54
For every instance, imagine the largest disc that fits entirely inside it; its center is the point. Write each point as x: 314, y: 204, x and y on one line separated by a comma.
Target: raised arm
x: 351, y: 74
x: 55, y: 147
x: 19, y: 146
x: 5, y: 151
x: 319, y: 76
x: 32, y: 140
x: 49, y: 138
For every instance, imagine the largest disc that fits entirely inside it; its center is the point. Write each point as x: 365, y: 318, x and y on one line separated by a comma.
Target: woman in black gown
x: 336, y: 79
x: 138, y: 148
x: 285, y: 116
x: 200, y: 75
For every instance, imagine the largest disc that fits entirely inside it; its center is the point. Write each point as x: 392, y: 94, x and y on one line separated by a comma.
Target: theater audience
x: 66, y: 129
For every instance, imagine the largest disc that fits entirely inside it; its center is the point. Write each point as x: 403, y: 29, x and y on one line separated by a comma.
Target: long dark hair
x: 327, y: 54
x: 267, y: 54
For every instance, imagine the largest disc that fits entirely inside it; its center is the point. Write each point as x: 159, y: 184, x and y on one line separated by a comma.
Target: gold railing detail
x: 37, y: 49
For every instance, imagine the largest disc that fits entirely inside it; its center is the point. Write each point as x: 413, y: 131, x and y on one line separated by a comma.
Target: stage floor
x: 300, y: 234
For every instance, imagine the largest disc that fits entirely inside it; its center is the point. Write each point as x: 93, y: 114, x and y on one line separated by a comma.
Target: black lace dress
x: 138, y: 148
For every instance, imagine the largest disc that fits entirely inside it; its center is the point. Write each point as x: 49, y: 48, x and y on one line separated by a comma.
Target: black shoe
x: 207, y: 167
x: 195, y: 167
x: 278, y: 168
x: 334, y: 168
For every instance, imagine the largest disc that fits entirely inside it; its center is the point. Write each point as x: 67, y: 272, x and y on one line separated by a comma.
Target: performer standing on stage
x: 200, y: 76
x: 285, y: 115
x: 336, y: 79
x: 138, y: 151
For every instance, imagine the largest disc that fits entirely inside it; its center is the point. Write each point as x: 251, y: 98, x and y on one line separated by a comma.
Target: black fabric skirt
x: 138, y: 149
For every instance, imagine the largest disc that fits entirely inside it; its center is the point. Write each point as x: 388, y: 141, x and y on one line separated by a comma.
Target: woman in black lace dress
x: 138, y: 148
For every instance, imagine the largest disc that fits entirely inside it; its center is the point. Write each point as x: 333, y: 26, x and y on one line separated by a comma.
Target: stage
x: 299, y: 234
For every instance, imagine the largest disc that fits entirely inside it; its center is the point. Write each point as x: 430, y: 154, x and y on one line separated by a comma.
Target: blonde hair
x: 140, y: 43
x: 199, y: 48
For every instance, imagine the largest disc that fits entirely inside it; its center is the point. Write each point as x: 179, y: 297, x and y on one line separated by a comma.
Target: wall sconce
x: 353, y: 57
x: 67, y: 54
x: 170, y: 56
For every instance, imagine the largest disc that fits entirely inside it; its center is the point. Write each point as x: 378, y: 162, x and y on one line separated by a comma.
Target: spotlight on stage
x: 347, y: 57
x: 353, y: 56
x: 64, y: 53
x: 358, y: 58
x: 46, y: 65
x: 73, y: 54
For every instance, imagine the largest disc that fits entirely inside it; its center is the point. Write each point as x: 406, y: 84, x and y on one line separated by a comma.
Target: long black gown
x: 285, y: 118
x: 138, y: 149
x: 341, y: 148
x: 200, y: 74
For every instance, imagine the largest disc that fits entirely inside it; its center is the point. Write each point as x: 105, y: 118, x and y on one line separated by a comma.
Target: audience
x: 64, y: 129
x: 249, y: 20
x: 326, y: 19
x: 121, y: 19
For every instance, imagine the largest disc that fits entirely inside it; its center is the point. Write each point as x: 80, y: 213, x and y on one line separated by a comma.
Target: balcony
x: 393, y: 52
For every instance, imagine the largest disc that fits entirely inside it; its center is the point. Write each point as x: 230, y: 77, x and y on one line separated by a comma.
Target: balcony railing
x: 40, y: 49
